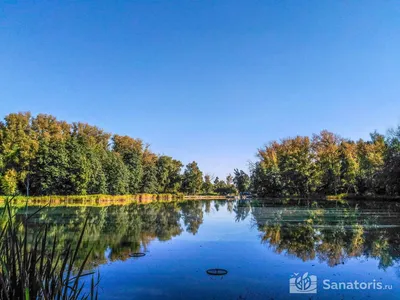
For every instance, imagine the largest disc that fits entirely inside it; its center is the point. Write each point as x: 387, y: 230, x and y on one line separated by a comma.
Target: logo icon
x: 303, y: 283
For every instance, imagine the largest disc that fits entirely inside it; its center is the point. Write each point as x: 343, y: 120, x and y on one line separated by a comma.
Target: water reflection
x: 331, y: 232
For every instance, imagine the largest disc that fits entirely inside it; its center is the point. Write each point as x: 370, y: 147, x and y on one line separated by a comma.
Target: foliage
x: 208, y: 187
x: 241, y: 180
x: 149, y: 180
x: 169, y: 174
x: 9, y: 182
x: 328, y: 165
x: 45, y: 156
x: 192, y: 179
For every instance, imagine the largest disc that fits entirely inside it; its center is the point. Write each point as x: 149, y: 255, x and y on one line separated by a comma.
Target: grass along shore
x: 107, y: 199
x: 363, y: 197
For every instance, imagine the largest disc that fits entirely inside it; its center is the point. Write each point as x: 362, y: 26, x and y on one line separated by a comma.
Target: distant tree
x: 266, y: 182
x: 50, y: 165
x: 117, y: 174
x: 208, y: 187
x: 98, y: 178
x: 131, y: 151
x: 94, y: 142
x: 391, y: 169
x: 327, y: 165
x: 149, y: 181
x: 192, y: 179
x: 168, y: 174
x: 19, y: 147
x: 326, y: 148
x: 229, y: 179
x: 349, y: 166
x: 44, y: 156
x: 242, y: 180
x: 78, y: 169
x: 371, y: 157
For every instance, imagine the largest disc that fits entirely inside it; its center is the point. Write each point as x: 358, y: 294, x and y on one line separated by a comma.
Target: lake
x: 263, y: 244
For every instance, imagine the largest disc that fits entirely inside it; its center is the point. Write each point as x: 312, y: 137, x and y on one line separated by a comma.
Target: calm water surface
x: 261, y: 244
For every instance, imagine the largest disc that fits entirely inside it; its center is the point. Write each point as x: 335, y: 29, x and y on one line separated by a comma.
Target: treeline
x: 327, y: 164
x: 45, y: 156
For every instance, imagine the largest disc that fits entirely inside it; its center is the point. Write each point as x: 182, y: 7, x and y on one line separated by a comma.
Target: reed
x: 36, y: 271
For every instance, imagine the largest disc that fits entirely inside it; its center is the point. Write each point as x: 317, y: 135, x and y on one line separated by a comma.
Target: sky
x: 210, y: 81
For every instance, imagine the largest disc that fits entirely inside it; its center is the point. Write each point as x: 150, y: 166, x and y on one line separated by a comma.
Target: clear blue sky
x: 209, y: 81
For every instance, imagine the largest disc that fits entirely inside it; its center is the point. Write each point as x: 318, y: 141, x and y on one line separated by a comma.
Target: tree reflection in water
x: 331, y: 232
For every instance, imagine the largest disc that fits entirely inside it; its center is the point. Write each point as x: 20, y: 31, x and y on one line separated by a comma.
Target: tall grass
x: 36, y: 270
x: 97, y: 199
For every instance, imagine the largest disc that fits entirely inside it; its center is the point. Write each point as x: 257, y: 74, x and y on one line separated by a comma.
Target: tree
x: 78, y: 170
x: 44, y: 156
x: 192, y: 179
x: 207, y: 185
x: 326, y: 147
x: 131, y: 151
x: 9, y: 182
x: 266, y: 182
x: 327, y: 165
x: 51, y: 161
x: 18, y: 147
x: 117, y: 174
x: 349, y: 166
x: 98, y: 179
x: 296, y: 165
x: 149, y: 180
x: 242, y: 181
x: 371, y: 156
x: 391, y: 168
x: 168, y: 174
x: 94, y: 142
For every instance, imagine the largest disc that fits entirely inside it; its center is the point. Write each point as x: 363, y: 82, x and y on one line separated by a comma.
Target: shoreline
x: 105, y: 200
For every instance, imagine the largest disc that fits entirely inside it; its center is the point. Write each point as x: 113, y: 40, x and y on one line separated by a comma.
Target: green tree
x: 192, y: 179
x: 371, y: 156
x: 98, y: 178
x: 326, y: 147
x: 78, y: 171
x: 131, y: 151
x: 51, y: 161
x: 350, y: 167
x: 94, y: 142
x: 9, y: 182
x: 18, y: 147
x: 391, y: 169
x: 168, y: 174
x: 117, y: 174
x: 149, y: 180
x: 208, y: 187
x: 242, y: 181
x: 296, y: 165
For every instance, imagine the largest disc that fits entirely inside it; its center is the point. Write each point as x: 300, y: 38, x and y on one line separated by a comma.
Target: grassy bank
x: 339, y: 197
x: 204, y: 197
x: 104, y: 200
x: 96, y: 199
x: 363, y: 197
